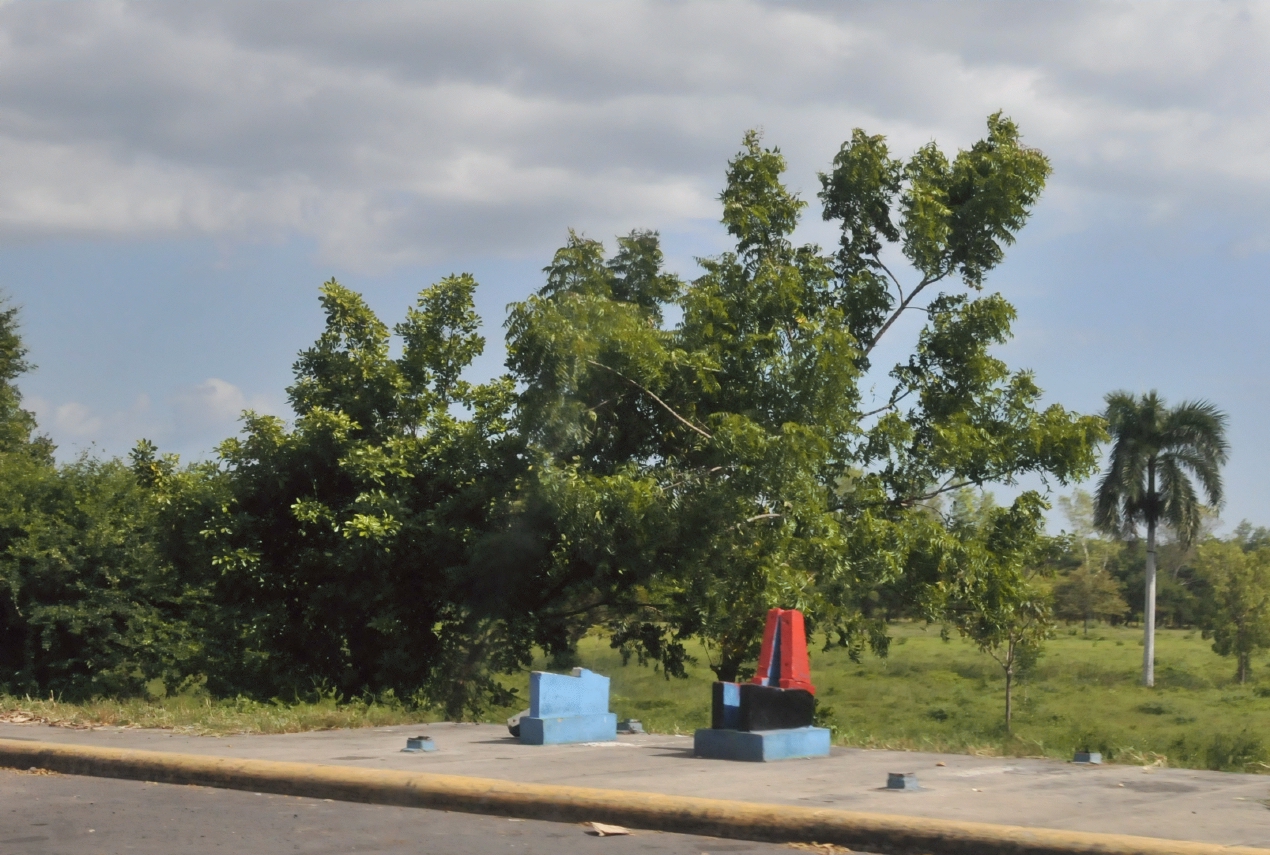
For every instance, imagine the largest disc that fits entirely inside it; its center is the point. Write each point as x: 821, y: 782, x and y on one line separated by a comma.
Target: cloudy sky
x: 179, y: 178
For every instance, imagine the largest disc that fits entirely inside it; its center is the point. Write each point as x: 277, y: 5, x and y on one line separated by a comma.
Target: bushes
x: 1224, y: 752
x: 89, y: 608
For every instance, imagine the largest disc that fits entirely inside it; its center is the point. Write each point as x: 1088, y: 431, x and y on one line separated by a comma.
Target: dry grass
x: 204, y: 716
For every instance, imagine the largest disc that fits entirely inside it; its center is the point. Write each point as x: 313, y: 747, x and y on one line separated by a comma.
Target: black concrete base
x: 749, y: 707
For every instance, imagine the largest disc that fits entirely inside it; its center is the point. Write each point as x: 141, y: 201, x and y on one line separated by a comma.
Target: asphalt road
x: 45, y: 814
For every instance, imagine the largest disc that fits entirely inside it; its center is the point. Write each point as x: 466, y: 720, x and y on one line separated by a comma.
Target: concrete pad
x: 1179, y: 804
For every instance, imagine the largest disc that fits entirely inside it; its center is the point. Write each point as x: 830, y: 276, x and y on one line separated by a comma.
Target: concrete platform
x: 1179, y: 804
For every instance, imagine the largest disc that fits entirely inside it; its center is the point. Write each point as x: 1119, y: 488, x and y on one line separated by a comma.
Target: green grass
x: 927, y: 695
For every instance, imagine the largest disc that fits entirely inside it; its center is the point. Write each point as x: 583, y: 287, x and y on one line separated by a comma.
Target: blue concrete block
x: 419, y: 743
x: 582, y: 693
x: 761, y: 745
x: 902, y: 781
x: 557, y: 730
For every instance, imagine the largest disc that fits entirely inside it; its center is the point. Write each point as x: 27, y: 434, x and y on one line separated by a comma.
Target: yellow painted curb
x: 883, y: 833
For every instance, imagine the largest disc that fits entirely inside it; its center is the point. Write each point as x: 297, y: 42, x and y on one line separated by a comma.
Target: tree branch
x: 765, y: 517
x: 898, y: 287
x: 904, y: 304
x: 911, y: 500
x: 895, y: 399
x: 663, y: 404
x: 598, y: 605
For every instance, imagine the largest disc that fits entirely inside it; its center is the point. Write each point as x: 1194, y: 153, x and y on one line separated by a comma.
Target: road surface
x: 43, y: 814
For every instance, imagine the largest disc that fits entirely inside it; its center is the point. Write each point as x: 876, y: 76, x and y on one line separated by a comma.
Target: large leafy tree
x: 698, y: 473
x: 1158, y: 453
x: 343, y: 551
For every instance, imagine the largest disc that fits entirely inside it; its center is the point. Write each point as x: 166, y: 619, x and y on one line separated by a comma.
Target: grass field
x: 928, y: 694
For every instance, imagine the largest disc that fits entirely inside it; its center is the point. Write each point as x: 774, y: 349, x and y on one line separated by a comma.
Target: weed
x: 1235, y: 752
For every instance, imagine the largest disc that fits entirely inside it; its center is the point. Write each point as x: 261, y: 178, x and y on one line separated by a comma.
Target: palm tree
x: 1155, y: 451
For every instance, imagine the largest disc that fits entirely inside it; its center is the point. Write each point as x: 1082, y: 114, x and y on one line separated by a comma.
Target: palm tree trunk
x: 1148, y: 609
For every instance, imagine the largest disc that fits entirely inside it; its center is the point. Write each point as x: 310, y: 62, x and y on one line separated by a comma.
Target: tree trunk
x: 1148, y: 607
x: 1009, y: 686
x: 728, y: 668
x: 1244, y: 668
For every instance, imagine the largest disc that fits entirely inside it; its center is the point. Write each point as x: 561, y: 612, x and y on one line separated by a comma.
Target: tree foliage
x: 1237, y: 612
x: 1088, y: 592
x: 701, y: 472
x: 993, y: 599
x: 343, y: 549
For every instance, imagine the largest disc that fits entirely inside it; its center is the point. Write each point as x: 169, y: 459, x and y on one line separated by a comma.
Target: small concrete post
x: 415, y: 744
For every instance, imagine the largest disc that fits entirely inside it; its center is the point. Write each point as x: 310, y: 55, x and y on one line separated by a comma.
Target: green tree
x: 1155, y: 452
x: 992, y: 599
x: 1087, y: 594
x: 1236, y: 613
x: 344, y: 551
x: 17, y: 425
x: 1250, y: 538
x: 90, y: 607
x: 699, y: 473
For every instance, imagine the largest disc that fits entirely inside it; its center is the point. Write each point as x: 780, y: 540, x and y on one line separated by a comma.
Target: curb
x: 881, y: 833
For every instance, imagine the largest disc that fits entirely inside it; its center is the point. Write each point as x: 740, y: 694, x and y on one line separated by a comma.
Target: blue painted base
x: 761, y: 745
x: 601, y: 727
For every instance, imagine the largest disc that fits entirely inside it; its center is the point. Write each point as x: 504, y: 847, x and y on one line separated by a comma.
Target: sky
x: 179, y: 179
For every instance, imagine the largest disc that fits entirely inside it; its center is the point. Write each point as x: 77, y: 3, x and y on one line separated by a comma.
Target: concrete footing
x: 761, y: 745
x: 600, y: 727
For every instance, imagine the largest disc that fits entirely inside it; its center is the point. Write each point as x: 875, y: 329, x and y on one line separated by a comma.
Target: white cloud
x: 76, y: 421
x: 75, y: 426
x: 211, y: 407
x: 192, y: 420
x: 397, y: 133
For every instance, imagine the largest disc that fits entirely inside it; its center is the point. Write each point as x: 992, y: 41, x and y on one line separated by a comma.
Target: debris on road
x: 599, y: 829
